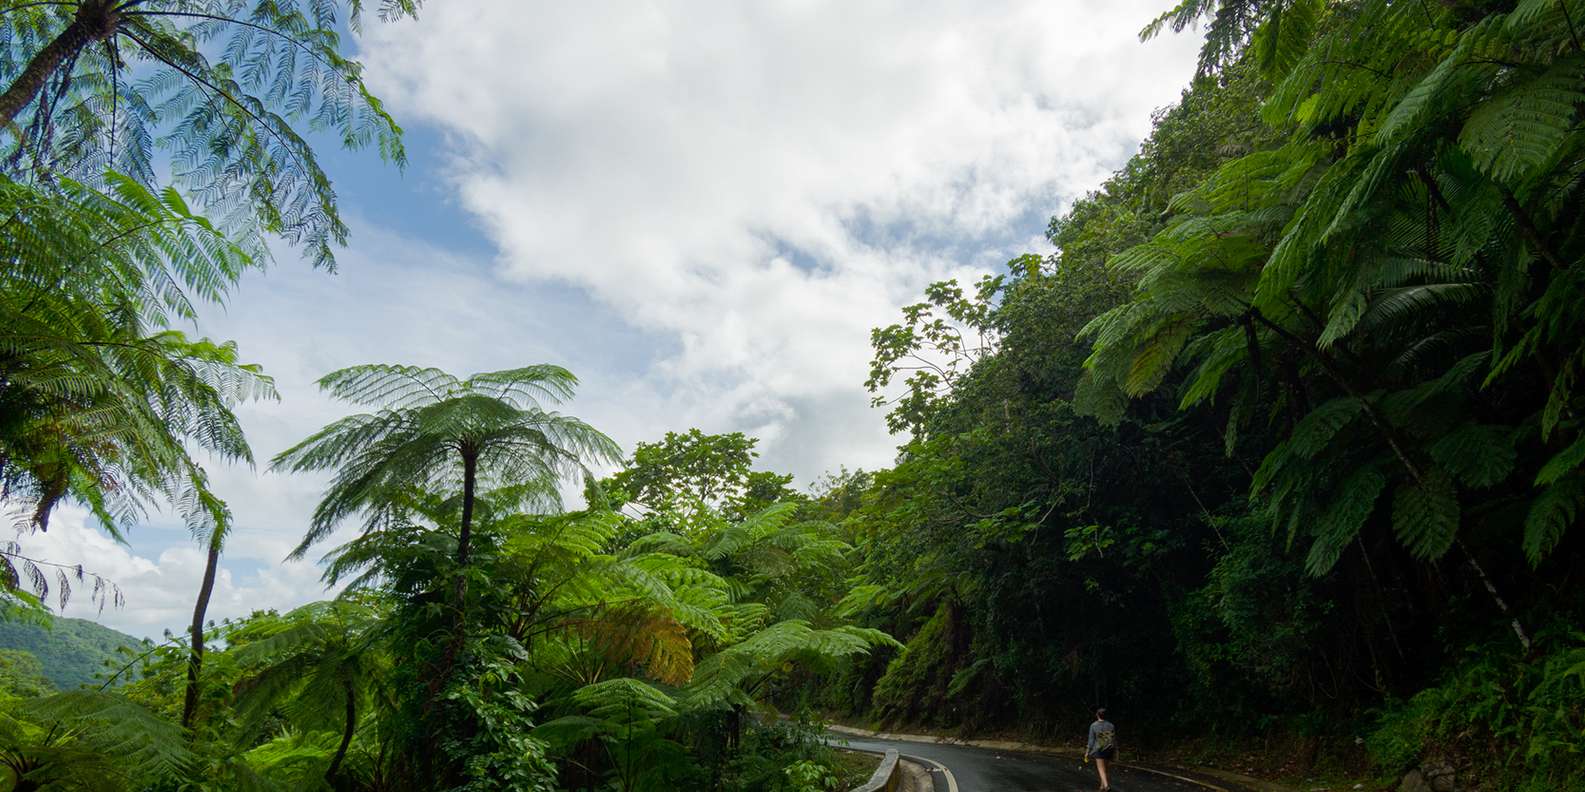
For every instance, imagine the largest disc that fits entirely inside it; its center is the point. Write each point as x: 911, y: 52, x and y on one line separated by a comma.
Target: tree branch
x: 233, y: 101
x: 1528, y: 230
x: 263, y: 28
x: 1332, y: 370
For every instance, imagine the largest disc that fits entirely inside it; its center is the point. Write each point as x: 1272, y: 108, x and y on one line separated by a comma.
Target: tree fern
x: 225, y: 88
x: 87, y: 730
x: 435, y: 431
x: 1551, y: 515
x: 1417, y: 222
x: 1425, y: 515
x: 101, y: 400
x: 318, y: 668
x: 1342, y: 521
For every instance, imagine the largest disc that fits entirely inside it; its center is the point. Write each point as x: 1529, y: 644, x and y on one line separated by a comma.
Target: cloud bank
x: 763, y: 182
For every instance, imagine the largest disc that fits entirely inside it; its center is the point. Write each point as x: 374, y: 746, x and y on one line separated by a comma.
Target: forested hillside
x: 1282, y: 447
x: 71, y: 652
x: 1278, y: 456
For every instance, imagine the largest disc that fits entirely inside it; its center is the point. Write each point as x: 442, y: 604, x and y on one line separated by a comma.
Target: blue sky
x: 700, y: 208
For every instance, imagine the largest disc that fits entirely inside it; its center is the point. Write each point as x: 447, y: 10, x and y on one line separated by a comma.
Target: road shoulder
x: 916, y: 777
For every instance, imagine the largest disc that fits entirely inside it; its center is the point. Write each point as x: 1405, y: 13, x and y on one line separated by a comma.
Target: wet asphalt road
x: 985, y: 770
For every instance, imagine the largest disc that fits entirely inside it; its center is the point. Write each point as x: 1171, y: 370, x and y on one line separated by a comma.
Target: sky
x: 700, y: 208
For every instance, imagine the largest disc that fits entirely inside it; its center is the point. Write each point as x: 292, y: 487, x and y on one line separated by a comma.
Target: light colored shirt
x: 1096, y: 730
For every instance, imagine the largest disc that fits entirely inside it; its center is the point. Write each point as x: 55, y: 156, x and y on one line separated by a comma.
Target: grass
x: 855, y: 768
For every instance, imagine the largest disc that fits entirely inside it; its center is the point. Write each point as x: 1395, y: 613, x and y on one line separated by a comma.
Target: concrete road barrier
x: 885, y: 778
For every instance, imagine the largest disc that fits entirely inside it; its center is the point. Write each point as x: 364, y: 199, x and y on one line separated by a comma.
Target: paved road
x: 985, y: 770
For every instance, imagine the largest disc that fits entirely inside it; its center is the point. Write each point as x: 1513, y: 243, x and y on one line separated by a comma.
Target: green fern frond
x: 143, y: 743
x: 1562, y: 463
x: 1552, y: 513
x: 1352, y: 504
x: 1425, y: 515
x: 1478, y: 455
x: 1521, y: 129
x: 1318, y: 428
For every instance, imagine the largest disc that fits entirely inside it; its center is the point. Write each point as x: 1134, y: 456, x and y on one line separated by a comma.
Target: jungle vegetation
x: 1280, y: 448
x: 1296, y: 396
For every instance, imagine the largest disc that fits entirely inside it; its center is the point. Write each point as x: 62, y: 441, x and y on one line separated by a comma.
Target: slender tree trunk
x: 346, y: 735
x: 1502, y: 604
x: 1529, y: 231
x: 470, y: 469
x: 195, y: 659
x: 95, y: 21
x: 470, y: 472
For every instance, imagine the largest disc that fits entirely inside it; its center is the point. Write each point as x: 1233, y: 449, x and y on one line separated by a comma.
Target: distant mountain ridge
x: 73, y: 651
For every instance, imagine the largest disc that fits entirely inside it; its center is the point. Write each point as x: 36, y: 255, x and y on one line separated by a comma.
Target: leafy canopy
x: 432, y: 430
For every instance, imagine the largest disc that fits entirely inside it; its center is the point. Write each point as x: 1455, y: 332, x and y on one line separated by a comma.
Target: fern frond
x: 1478, y: 455
x: 1552, y: 513
x: 1352, y: 504
x: 1425, y: 515
x: 110, y: 724
x: 1521, y: 129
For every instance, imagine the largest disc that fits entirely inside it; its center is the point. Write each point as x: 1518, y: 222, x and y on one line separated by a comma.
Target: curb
x: 884, y: 779
x: 931, y: 764
x: 884, y: 773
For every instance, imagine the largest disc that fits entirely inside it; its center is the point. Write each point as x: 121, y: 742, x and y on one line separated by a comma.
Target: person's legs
x: 1100, y: 767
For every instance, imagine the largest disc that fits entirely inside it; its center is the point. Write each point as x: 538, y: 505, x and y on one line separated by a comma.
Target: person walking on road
x: 1102, y: 746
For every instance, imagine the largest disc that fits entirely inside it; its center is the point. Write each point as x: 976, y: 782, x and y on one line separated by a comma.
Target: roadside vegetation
x: 1280, y: 453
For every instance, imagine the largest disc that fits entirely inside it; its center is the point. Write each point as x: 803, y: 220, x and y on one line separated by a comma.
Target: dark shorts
x: 1104, y: 753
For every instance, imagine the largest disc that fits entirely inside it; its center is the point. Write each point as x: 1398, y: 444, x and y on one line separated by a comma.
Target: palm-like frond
x: 307, y: 667
x: 101, y: 401
x: 1366, y: 268
x: 432, y: 430
x: 724, y: 678
x: 144, y: 745
x: 225, y: 89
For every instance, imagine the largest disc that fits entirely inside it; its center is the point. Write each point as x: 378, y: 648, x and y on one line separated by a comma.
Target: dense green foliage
x: 103, y: 400
x: 1295, y: 397
x: 71, y: 652
x: 485, y: 640
x: 685, y: 474
x: 589, y: 650
x: 22, y: 675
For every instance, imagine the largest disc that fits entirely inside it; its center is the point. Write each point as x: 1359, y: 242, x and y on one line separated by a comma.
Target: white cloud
x: 160, y: 587
x: 766, y: 181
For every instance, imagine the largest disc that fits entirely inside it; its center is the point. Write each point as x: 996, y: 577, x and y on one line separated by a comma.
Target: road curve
x: 985, y: 770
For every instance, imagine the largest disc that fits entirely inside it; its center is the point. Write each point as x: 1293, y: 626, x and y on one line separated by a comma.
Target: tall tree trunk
x: 470, y: 469
x: 95, y: 21
x: 346, y: 734
x: 195, y: 659
x: 470, y: 472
